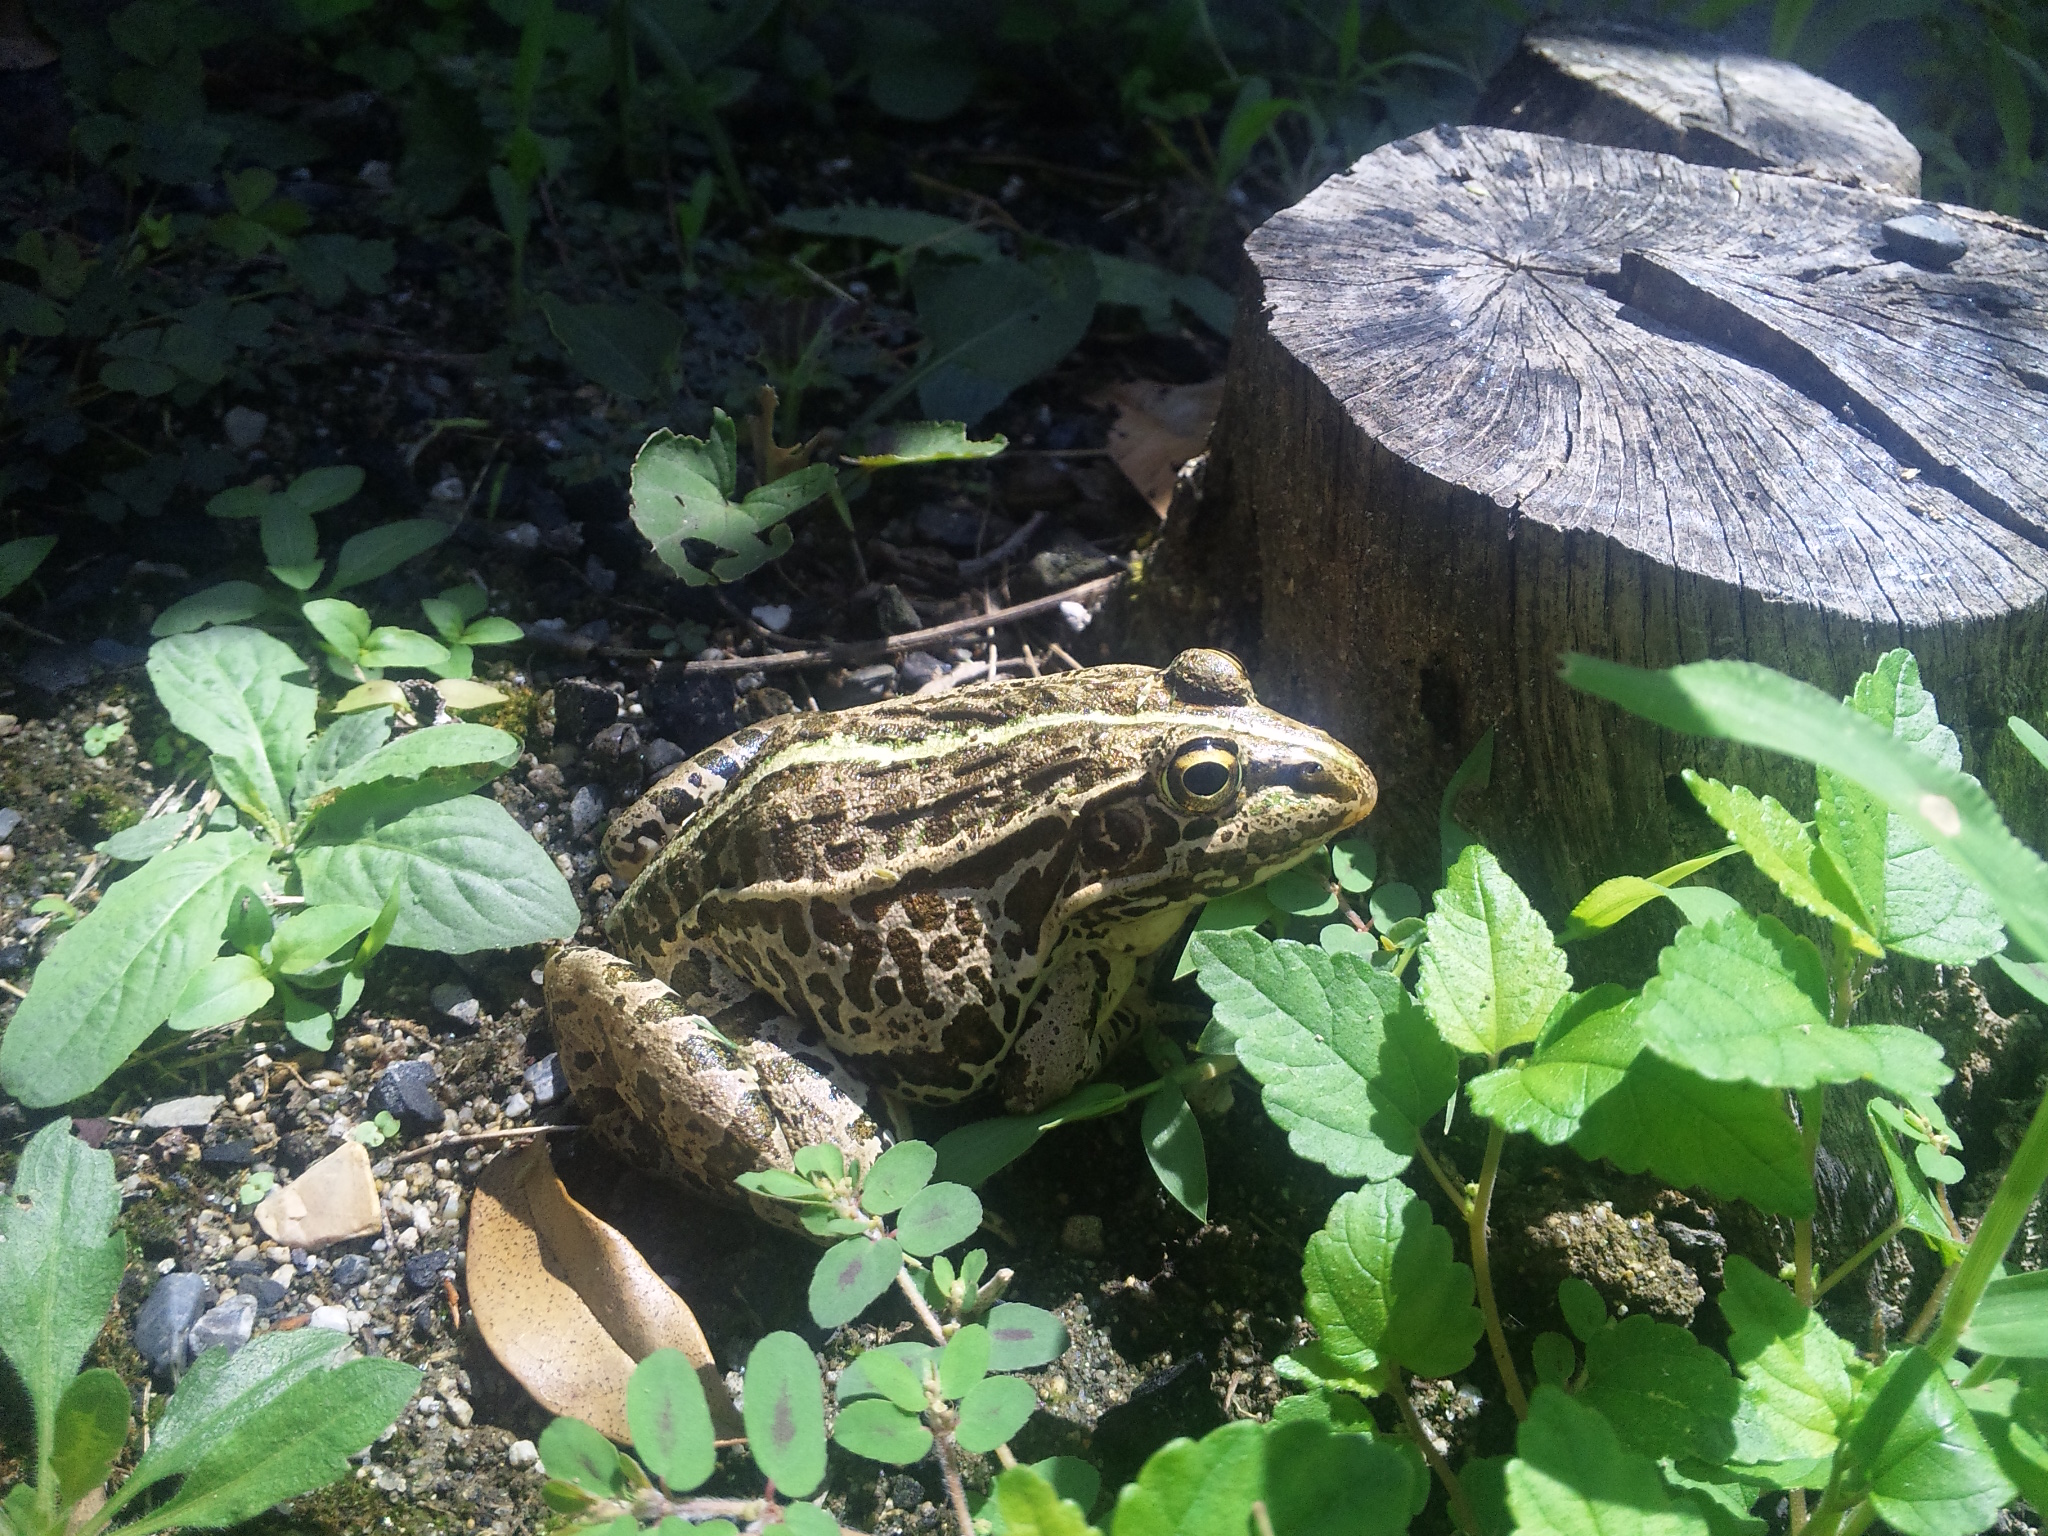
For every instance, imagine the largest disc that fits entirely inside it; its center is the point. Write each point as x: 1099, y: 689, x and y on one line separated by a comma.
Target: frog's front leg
x: 1072, y: 1029
x: 702, y: 1086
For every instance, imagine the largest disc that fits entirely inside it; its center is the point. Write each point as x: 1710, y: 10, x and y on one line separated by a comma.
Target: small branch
x: 11, y: 622
x: 1932, y: 1309
x: 921, y: 1307
x: 1443, y: 1179
x: 956, y: 1490
x: 1482, y: 1273
x: 444, y: 1143
x: 1461, y: 1507
x: 1810, y: 1104
x: 1857, y: 1260
x: 980, y: 564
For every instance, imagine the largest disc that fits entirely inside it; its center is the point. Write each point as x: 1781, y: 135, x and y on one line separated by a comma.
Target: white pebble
x: 522, y: 1453
x: 516, y: 1107
x: 459, y: 1410
x: 332, y: 1319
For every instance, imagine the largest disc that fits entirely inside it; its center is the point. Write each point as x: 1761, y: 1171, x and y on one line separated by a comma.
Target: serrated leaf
x: 1383, y: 1289
x: 1320, y: 1482
x: 1746, y: 1000
x: 671, y: 1420
x: 1583, y: 1053
x: 896, y: 1176
x: 1349, y: 1065
x: 1571, y: 1476
x: 1781, y: 847
x: 1665, y: 1394
x: 469, y: 876
x: 881, y: 1431
x: 993, y: 1410
x: 1915, y: 1447
x: 1797, y: 1386
x: 229, y: 688
x: 851, y: 1276
x: 784, y: 1409
x: 924, y: 442
x: 114, y: 977
x: 1197, y: 1487
x: 1492, y: 973
x: 1027, y: 1504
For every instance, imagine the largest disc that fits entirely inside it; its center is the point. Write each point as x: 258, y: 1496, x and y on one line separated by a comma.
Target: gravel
x: 405, y: 1090
x: 228, y: 1325
x: 166, y: 1316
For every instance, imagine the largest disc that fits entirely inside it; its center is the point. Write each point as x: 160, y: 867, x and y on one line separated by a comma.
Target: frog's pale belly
x: 949, y: 894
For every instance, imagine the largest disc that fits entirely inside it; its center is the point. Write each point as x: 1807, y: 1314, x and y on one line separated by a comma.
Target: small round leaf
x: 574, y: 1453
x: 1355, y: 863
x: 881, y: 1431
x: 671, y: 1420
x: 1394, y: 903
x: 1022, y: 1336
x: 938, y: 1217
x: 887, y: 1374
x: 823, y: 1158
x: 801, y: 1520
x: 784, y: 1410
x: 964, y: 1360
x: 995, y: 1410
x: 855, y: 1381
x: 896, y: 1176
x: 852, y: 1274
x: 1554, y: 1357
x: 1303, y: 890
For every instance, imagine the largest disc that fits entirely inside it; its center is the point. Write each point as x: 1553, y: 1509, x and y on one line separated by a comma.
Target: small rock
x: 772, y: 616
x: 521, y: 1453
x: 227, y: 1326
x: 332, y: 1201
x: 546, y: 1081
x: 1082, y: 1235
x: 516, y: 1107
x: 297, y: 1151
x: 660, y: 755
x: 423, y: 1270
x: 450, y: 489
x: 602, y: 578
x: 452, y: 1000
x: 1926, y: 241
x: 166, y: 1316
x: 350, y: 1271
x: 894, y: 612
x: 1076, y: 615
x: 962, y: 529
x: 459, y: 1410
x: 870, y: 682
x: 243, y: 427
x: 586, y: 809
x: 14, y: 959
x: 183, y: 1113
x: 614, y: 758
x: 9, y: 820
x: 693, y: 712
x: 268, y: 1292
x: 228, y: 1154
x: 405, y: 1090
x: 919, y: 668
x: 330, y: 1319
x: 582, y: 709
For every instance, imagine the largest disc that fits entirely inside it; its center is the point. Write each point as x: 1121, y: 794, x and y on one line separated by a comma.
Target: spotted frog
x: 936, y: 897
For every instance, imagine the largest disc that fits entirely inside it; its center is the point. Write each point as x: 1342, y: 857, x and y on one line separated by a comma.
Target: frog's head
x: 1227, y: 794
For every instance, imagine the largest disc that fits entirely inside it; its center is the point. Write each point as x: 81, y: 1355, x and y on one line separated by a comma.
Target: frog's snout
x: 1334, y: 778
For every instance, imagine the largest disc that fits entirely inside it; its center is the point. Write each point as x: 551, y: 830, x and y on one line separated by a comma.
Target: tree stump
x: 1497, y: 396
x: 1635, y: 88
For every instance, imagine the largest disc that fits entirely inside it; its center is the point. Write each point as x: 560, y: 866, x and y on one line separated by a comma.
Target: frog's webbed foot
x: 698, y: 1100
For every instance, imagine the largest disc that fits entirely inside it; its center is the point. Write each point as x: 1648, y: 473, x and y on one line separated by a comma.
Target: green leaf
x: 1583, y: 1053
x: 91, y: 1428
x: 1612, y: 900
x: 1355, y: 863
x: 2035, y: 743
x: 1240, y: 909
x: 881, y: 1431
x: 629, y: 349
x: 20, y: 557
x: 319, y: 489
x: 574, y: 1453
x: 345, y: 742
x: 230, y: 988
x: 2011, y: 1318
x: 1302, y: 891
x: 1666, y: 1394
x: 114, y: 977
x: 973, y: 1154
x: 937, y: 1217
x: 493, y: 631
x: 146, y: 839
x: 924, y: 442
x: 1350, y: 1066
x: 1320, y: 1482
x: 1028, y: 1505
x: 904, y: 228
x: 1383, y: 1290
x: 1571, y: 1476
x: 378, y: 551
x: 1022, y: 1336
x: 896, y: 1175
x: 343, y: 625
x: 1797, y: 1385
x: 995, y: 325
x: 851, y: 1276
x: 670, y: 1420
x: 1748, y: 703
x: 1173, y: 1144
x: 229, y: 688
x: 228, y: 603
x: 1921, y: 904
x: 1200, y: 1487
x: 682, y: 503
x: 964, y: 1360
x: 291, y: 544
x: 1912, y: 1198
x: 469, y: 876
x: 886, y: 1372
x: 1746, y: 1000
x: 1785, y: 851
x: 452, y: 758
x: 797, y: 1519
x: 1734, y: 1139
x: 60, y: 1264
x: 784, y: 1409
x: 315, y: 932
x: 1492, y: 972
x: 993, y: 1410
x: 1915, y: 1447
x: 390, y: 646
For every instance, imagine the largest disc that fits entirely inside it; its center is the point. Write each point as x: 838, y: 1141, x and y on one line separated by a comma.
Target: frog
x: 924, y: 900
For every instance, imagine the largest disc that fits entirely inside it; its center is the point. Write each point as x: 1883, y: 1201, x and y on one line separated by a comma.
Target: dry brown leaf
x: 1159, y: 427
x: 567, y: 1304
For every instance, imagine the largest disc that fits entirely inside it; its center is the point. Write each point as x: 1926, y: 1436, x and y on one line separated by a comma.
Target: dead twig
x: 443, y: 1143
x: 1013, y: 545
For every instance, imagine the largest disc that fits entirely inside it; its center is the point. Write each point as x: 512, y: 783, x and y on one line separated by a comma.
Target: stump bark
x: 1632, y: 87
x: 1498, y: 396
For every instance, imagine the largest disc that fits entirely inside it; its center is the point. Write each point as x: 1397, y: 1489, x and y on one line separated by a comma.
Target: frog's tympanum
x: 934, y: 897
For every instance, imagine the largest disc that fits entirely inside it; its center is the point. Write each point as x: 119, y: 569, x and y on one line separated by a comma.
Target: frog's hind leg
x: 699, y: 1087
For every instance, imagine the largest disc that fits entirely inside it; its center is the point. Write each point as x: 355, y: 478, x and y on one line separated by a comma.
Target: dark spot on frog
x: 909, y: 957
x: 825, y: 1000
x: 944, y: 951
x: 1200, y: 830
x: 887, y: 990
x: 830, y: 922
x: 860, y: 974
x: 1113, y: 837
x: 927, y: 909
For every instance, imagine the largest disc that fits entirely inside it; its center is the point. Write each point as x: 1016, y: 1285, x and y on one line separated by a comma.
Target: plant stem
x: 1443, y: 1178
x: 1861, y: 1254
x: 925, y: 1314
x: 1482, y: 1272
x: 1802, y: 1229
x: 1262, y: 1523
x: 1932, y: 1307
x: 2024, y: 1176
x: 1461, y: 1507
x: 956, y: 1490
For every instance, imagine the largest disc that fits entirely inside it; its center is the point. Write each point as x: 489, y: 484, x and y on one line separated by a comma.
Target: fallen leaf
x: 568, y: 1305
x: 1159, y: 427
x: 332, y: 1201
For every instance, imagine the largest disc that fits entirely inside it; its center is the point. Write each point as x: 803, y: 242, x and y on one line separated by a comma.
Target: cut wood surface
x: 1635, y: 88
x: 1505, y: 396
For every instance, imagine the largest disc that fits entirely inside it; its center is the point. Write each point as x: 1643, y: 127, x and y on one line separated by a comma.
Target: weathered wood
x: 1501, y: 396
x: 1632, y: 87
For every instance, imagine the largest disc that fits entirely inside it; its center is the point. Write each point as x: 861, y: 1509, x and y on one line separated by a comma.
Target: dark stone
x: 228, y: 1154
x: 92, y: 1132
x: 423, y: 1271
x: 963, y: 530
x: 546, y: 1082
x: 14, y: 959
x: 349, y: 1271
x: 582, y: 709
x: 166, y: 1316
x: 613, y: 757
x: 659, y: 755
x: 242, y: 1269
x: 1925, y: 240
x: 692, y: 712
x: 1165, y: 1405
x: 268, y: 1292
x: 298, y: 1151
x: 227, y: 1326
x: 405, y: 1090
x: 894, y: 614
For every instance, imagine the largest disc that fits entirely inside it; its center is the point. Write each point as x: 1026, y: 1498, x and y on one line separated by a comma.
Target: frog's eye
x: 1201, y: 775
